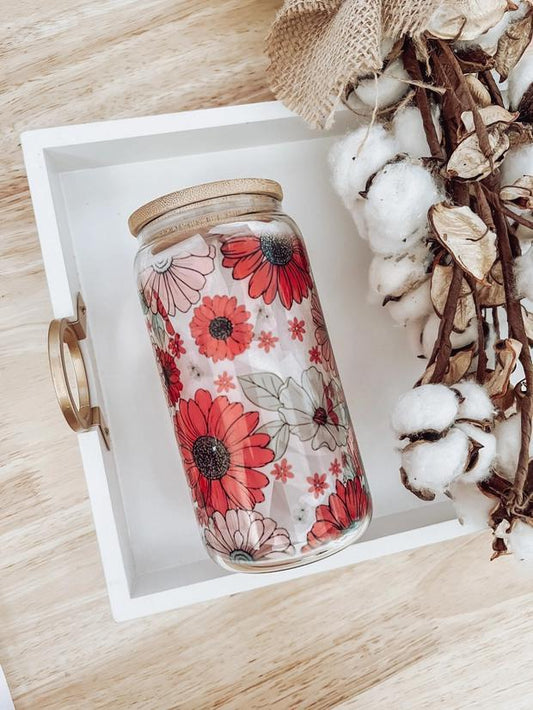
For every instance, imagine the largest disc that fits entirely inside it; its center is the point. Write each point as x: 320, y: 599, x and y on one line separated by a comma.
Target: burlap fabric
x: 316, y: 47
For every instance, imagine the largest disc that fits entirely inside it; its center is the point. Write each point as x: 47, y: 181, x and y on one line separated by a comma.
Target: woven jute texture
x: 316, y: 47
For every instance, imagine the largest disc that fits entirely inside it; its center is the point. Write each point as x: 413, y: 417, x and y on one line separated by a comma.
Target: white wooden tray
x: 85, y: 180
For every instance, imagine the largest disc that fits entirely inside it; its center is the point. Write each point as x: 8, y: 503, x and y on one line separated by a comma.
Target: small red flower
x: 219, y: 328
x: 175, y: 346
x: 344, y: 509
x: 275, y: 261
x: 267, y: 341
x: 314, y: 355
x: 317, y: 484
x: 224, y: 383
x: 297, y: 329
x: 335, y: 468
x: 221, y: 452
x: 282, y: 471
x: 170, y: 374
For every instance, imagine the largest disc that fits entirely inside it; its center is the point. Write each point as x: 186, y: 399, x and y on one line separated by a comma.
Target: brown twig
x: 481, y: 128
x: 492, y: 87
x: 524, y: 221
x: 443, y: 346
x: 412, y: 67
x: 517, y: 330
x: 481, y: 353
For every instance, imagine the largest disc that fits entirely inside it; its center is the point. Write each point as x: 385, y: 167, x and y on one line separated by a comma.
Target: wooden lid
x: 199, y: 193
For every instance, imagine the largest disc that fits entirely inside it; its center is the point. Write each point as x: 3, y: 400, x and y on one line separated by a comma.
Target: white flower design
x: 314, y: 411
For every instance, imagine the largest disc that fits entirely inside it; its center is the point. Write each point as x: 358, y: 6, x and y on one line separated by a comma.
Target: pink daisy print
x: 335, y: 468
x: 267, y: 341
x: 282, y: 471
x: 177, y: 280
x: 246, y: 536
x: 297, y: 329
x: 317, y: 484
x: 224, y: 383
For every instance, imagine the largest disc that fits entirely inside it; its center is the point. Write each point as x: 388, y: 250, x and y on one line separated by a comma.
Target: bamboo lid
x: 199, y: 193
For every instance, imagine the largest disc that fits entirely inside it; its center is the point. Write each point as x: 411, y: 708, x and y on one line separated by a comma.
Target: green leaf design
x: 158, y: 328
x: 144, y: 304
x: 262, y: 389
x: 279, y: 433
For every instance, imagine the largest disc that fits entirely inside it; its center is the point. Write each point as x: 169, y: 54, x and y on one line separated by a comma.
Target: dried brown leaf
x: 466, y: 19
x: 489, y: 114
x: 464, y: 234
x: 526, y: 105
x: 474, y: 59
x: 457, y: 368
x: 467, y: 162
x: 520, y: 192
x: 479, y: 91
x: 441, y: 279
x: 507, y: 353
x: 491, y: 292
x: 422, y: 493
x: 512, y: 45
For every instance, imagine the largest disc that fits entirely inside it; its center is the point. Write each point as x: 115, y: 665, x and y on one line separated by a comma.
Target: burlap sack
x: 316, y: 47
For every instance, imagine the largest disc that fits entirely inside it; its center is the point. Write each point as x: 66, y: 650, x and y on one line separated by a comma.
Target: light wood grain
x: 437, y: 628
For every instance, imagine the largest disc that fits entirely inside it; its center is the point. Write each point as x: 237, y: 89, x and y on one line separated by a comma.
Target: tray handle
x: 80, y: 415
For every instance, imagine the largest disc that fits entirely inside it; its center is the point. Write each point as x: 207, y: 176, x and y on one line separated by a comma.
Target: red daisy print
x: 170, y: 374
x: 335, y: 468
x: 344, y: 509
x: 219, y: 328
x: 175, y: 346
x: 224, y: 383
x: 297, y: 329
x: 317, y: 484
x: 221, y: 452
x: 267, y: 341
x: 282, y: 471
x: 314, y: 355
x: 275, y: 261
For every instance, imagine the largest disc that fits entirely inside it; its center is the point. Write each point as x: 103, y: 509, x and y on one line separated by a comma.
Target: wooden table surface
x: 440, y: 627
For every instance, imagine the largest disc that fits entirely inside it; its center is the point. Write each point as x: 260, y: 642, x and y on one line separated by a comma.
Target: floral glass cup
x: 249, y: 376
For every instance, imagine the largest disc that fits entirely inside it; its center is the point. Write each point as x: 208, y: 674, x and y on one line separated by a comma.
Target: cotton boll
x: 481, y: 462
x: 397, y: 204
x: 394, y: 275
x: 433, y: 465
x: 520, y: 79
x: 385, y: 90
x: 508, y: 440
x: 488, y: 41
x: 476, y: 404
x: 458, y: 340
x: 471, y: 505
x: 409, y: 130
x: 523, y: 266
x: 413, y: 331
x: 356, y: 157
x: 359, y: 218
x: 518, y: 162
x: 425, y: 408
x: 520, y: 541
x: 413, y: 305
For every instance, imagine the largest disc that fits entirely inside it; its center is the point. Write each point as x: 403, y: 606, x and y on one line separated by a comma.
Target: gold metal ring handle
x: 80, y: 415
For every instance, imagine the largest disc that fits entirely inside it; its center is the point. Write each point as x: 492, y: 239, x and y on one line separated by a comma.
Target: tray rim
x: 38, y: 146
